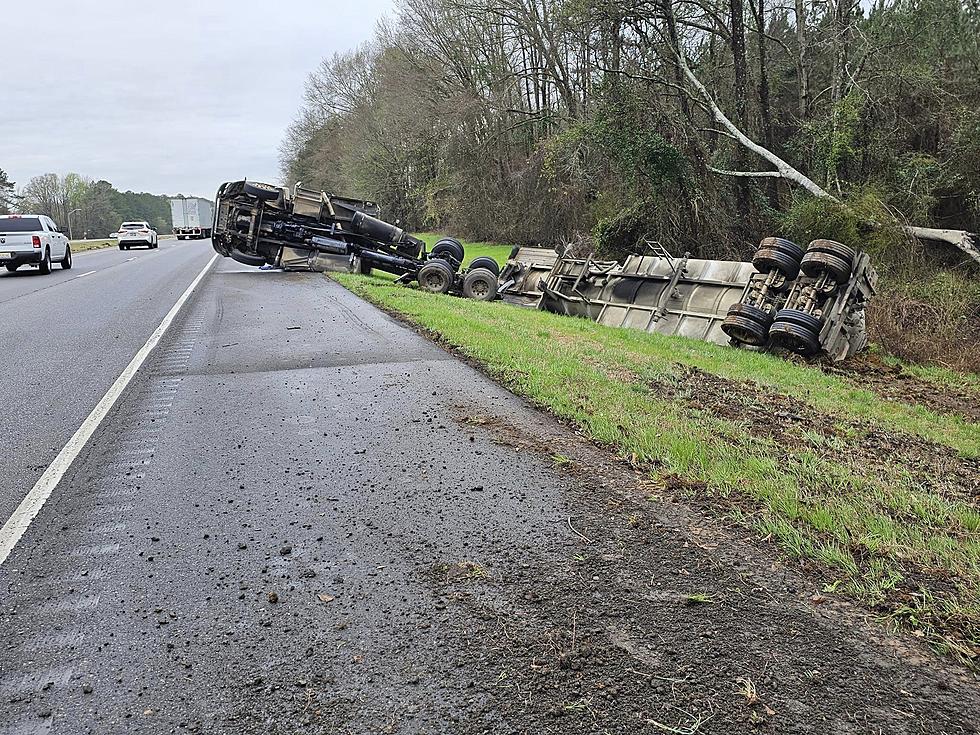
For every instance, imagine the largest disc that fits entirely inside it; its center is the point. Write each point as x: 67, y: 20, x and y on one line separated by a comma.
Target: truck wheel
x: 769, y: 259
x: 788, y: 247
x: 265, y: 192
x: 45, y: 266
x: 480, y: 284
x: 797, y: 331
x: 832, y: 247
x: 436, y: 276
x: 449, y: 247
x: 66, y: 261
x: 816, y: 262
x: 795, y: 338
x: 485, y: 261
x: 747, y: 324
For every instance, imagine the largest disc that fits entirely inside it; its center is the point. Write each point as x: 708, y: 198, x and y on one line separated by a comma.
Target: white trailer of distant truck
x: 191, y: 217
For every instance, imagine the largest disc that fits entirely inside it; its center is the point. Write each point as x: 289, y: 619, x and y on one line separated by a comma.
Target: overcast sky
x: 165, y: 96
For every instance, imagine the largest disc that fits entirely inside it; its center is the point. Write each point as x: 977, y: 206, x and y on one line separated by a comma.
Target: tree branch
x: 748, y: 174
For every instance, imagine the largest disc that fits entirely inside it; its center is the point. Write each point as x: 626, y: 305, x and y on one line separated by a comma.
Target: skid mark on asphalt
x: 59, y: 637
x: 37, y: 681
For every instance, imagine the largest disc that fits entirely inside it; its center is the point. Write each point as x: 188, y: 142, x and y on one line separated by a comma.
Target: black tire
x: 480, y: 284
x: 44, y: 268
x: 265, y: 192
x: 800, y: 319
x: 747, y: 324
x: 485, y: 261
x: 121, y: 247
x: 796, y: 330
x: 450, y: 247
x: 66, y: 261
x: 832, y: 247
x: 816, y: 262
x: 11, y: 267
x: 768, y: 259
x: 436, y: 276
x: 795, y: 338
x: 783, y: 245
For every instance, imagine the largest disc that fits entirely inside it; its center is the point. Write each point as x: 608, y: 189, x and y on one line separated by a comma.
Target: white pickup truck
x: 32, y: 239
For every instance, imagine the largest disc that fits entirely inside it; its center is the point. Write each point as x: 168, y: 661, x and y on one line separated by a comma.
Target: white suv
x: 136, y: 233
x: 32, y: 239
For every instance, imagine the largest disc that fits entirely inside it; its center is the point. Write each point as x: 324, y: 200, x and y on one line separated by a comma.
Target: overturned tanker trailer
x: 302, y: 229
x: 809, y: 301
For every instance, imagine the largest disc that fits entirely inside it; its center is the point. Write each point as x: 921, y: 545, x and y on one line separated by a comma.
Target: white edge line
x: 18, y: 523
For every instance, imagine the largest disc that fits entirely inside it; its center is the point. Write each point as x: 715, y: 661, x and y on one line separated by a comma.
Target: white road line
x: 16, y: 526
x: 82, y: 275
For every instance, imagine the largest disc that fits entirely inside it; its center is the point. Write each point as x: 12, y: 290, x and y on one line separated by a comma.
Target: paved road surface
x: 66, y: 337
x: 303, y: 517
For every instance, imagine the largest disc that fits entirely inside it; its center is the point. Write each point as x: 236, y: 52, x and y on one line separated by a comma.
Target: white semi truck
x: 191, y: 217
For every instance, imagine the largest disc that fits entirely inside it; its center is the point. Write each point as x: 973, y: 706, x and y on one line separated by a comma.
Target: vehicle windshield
x: 133, y: 225
x: 20, y: 224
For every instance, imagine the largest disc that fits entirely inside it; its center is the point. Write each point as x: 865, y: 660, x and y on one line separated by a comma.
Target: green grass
x: 873, y: 532
x: 77, y: 246
x: 80, y: 246
x: 495, y: 250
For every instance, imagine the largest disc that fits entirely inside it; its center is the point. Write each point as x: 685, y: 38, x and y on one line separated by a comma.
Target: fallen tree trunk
x: 965, y: 241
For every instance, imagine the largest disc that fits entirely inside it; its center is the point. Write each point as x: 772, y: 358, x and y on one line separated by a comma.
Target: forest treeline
x: 700, y: 126
x: 94, y: 208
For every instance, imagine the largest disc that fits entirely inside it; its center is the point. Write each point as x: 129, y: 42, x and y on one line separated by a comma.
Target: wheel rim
x: 480, y: 288
x: 434, y: 281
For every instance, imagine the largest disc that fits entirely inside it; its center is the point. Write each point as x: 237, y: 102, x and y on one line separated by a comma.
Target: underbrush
x: 874, y: 495
x: 928, y: 304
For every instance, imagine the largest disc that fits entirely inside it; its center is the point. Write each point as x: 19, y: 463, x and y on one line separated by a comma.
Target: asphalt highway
x: 302, y: 516
x: 66, y: 336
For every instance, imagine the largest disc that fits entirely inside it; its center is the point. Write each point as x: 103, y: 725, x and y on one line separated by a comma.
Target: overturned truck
x: 809, y: 301
x: 261, y: 224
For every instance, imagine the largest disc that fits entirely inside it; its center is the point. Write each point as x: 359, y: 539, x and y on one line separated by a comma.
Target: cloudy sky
x: 169, y: 96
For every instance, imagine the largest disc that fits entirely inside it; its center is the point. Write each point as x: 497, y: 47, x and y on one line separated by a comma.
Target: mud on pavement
x: 648, y: 617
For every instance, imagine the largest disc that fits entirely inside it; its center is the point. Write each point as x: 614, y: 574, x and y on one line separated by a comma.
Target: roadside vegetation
x: 93, y: 209
x: 80, y: 246
x: 878, y: 496
x: 702, y: 127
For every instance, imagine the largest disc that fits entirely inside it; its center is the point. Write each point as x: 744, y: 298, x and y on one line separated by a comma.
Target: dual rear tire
x: 438, y: 276
x: 796, y: 331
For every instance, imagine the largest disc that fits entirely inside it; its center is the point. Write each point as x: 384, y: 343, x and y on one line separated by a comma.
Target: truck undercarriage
x: 808, y: 301
x: 792, y: 299
x: 258, y: 224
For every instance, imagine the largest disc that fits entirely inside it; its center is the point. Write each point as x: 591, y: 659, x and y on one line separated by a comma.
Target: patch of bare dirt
x: 895, y: 384
x: 795, y: 424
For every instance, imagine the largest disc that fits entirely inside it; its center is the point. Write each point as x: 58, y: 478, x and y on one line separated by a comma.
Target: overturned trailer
x: 809, y: 301
x: 261, y: 224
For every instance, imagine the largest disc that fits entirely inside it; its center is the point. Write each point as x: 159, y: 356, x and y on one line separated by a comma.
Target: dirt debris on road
x: 382, y: 540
